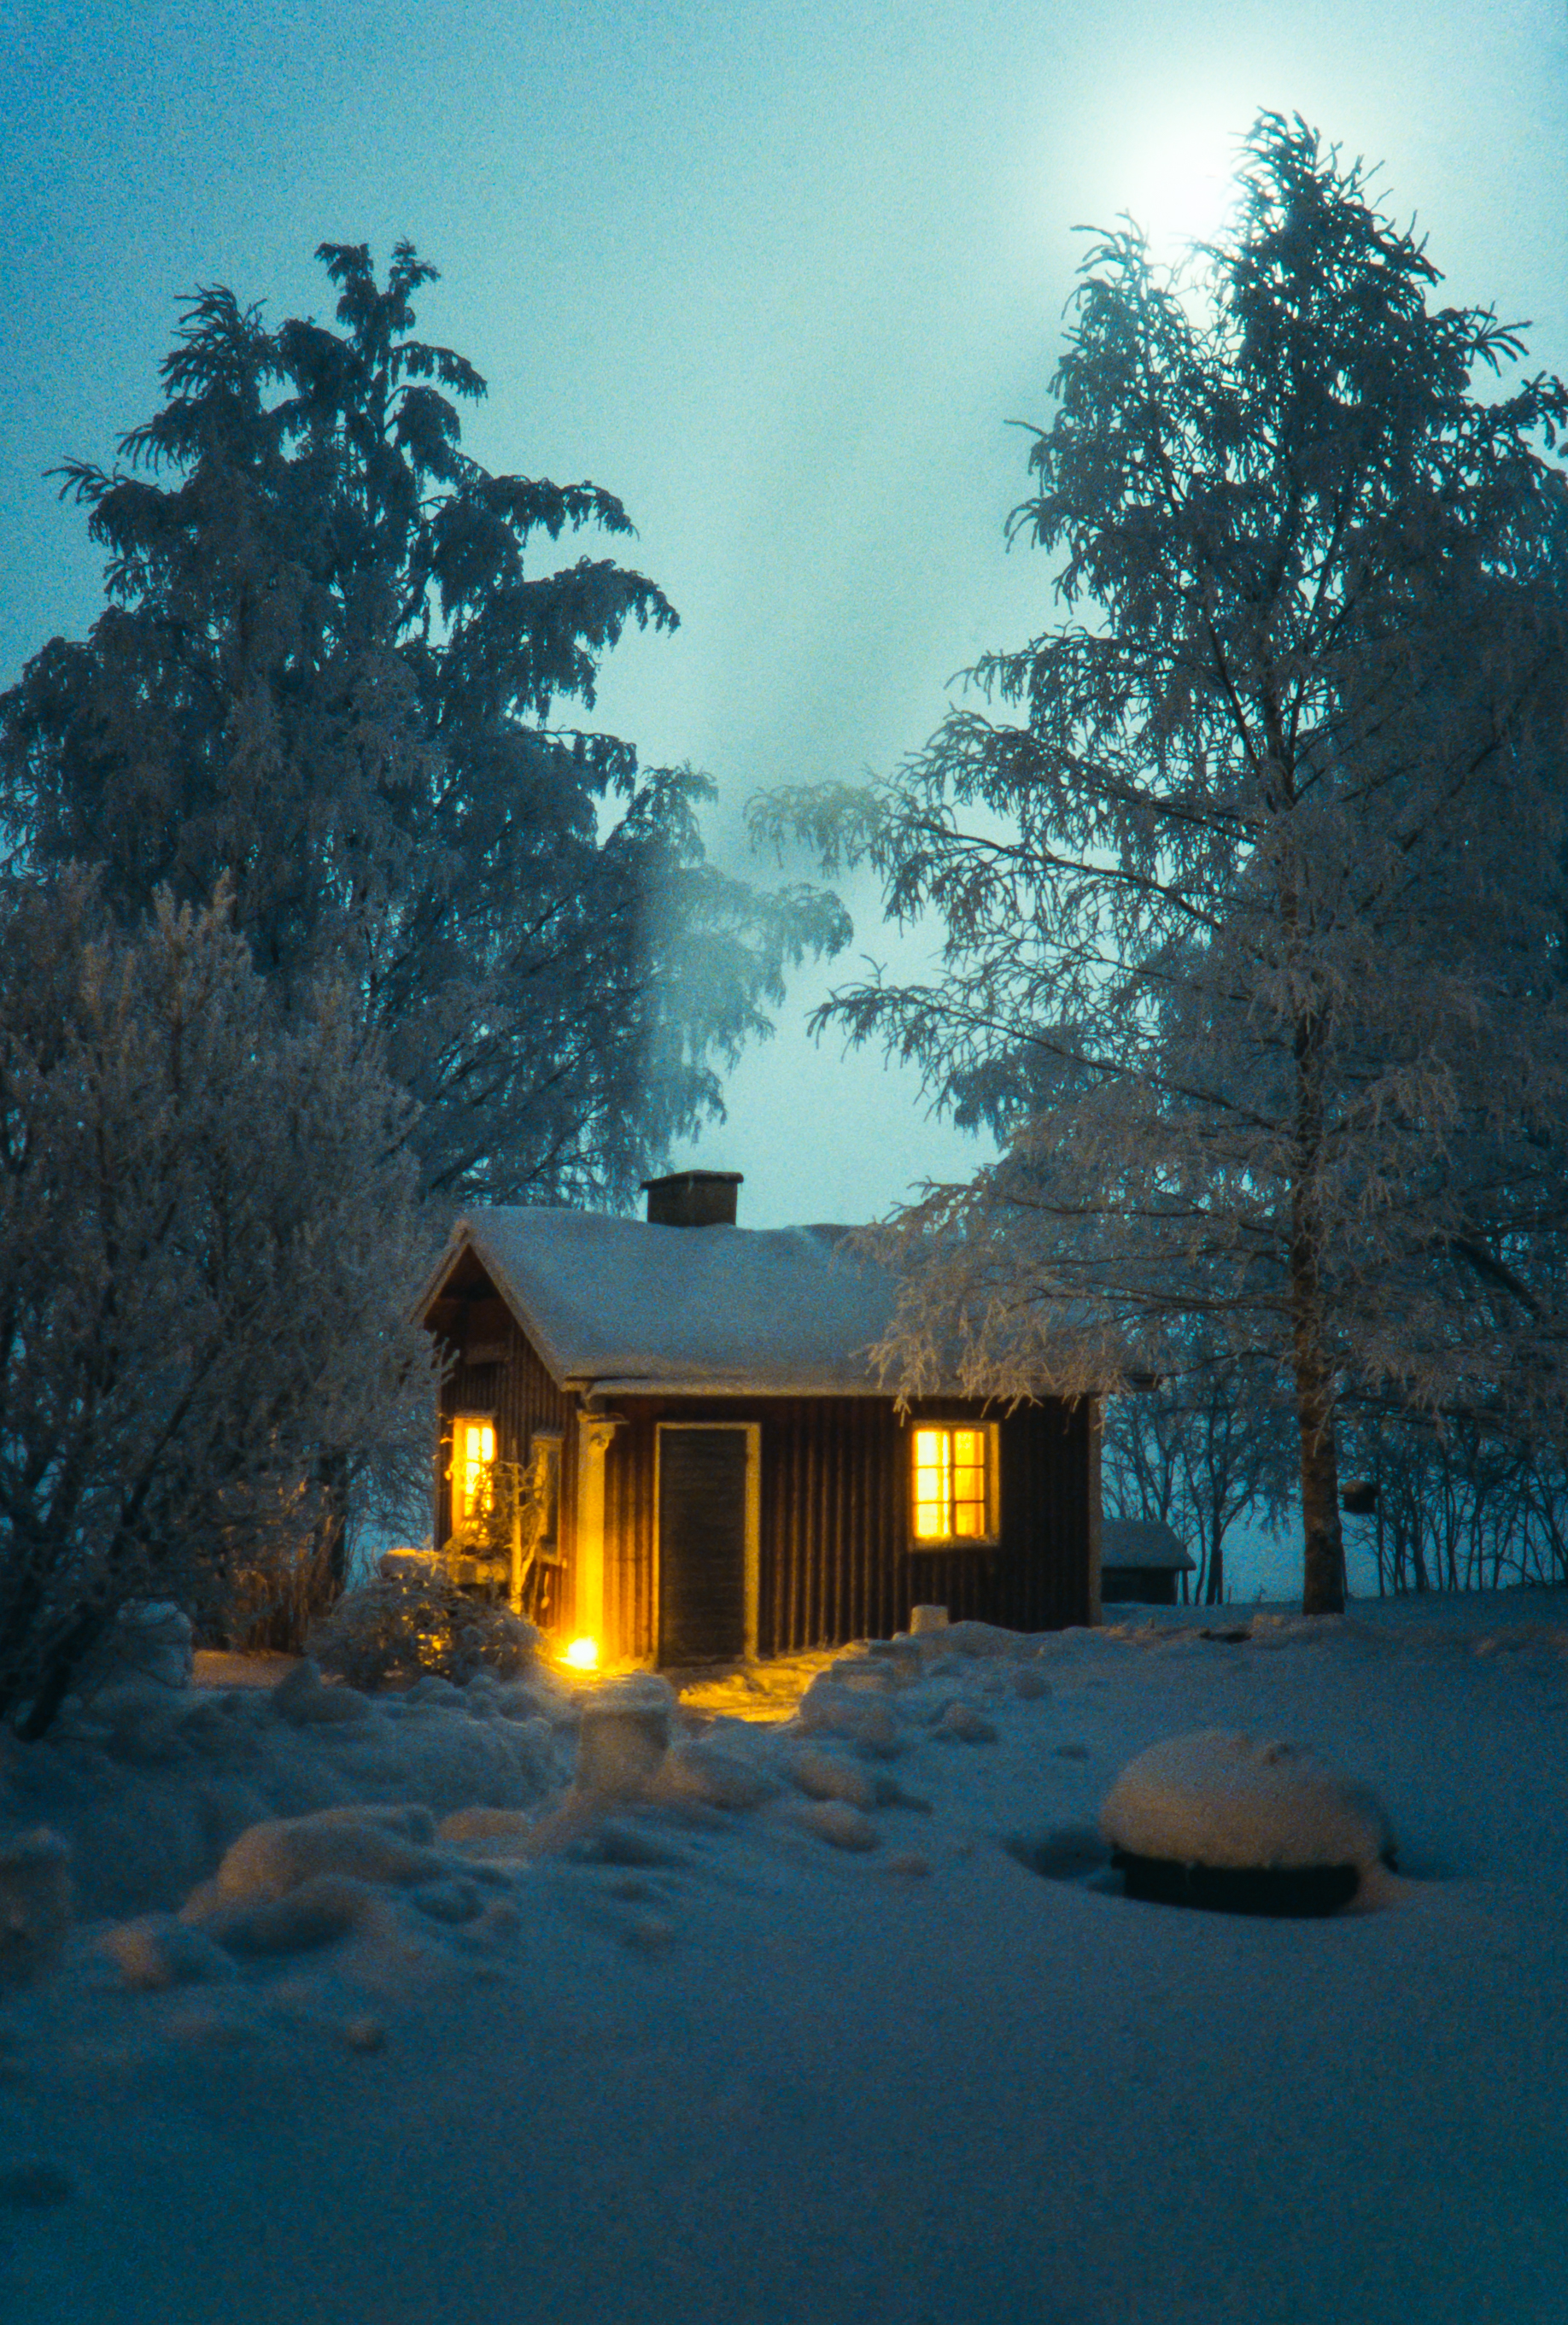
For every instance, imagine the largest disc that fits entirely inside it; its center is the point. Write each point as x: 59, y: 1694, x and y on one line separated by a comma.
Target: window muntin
x: 955, y: 1482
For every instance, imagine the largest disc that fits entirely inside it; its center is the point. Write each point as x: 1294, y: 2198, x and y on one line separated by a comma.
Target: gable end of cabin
x: 500, y: 1403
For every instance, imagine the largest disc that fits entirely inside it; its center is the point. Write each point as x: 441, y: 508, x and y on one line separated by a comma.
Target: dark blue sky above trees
x: 775, y: 276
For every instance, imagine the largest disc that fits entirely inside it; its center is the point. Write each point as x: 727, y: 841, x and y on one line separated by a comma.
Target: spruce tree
x: 336, y: 670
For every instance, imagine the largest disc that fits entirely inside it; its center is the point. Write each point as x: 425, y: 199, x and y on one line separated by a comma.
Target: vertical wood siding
x: 630, y: 1538
x: 835, y: 1560
x: 518, y: 1391
x: 523, y: 1397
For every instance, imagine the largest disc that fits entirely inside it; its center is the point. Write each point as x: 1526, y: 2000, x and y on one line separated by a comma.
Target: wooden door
x: 706, y: 1543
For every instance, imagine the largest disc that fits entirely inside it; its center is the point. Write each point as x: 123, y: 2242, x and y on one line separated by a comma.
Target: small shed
x: 725, y: 1474
x: 1139, y: 1559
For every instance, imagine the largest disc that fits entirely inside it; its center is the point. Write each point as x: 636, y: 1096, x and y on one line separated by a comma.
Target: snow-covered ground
x: 885, y: 2046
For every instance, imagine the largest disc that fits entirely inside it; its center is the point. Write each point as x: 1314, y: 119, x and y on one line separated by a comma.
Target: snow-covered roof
x: 633, y: 1308
x: 1143, y: 1542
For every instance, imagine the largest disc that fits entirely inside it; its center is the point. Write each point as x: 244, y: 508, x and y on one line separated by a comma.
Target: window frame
x: 990, y: 1432
x: 552, y: 1442
x: 472, y: 1416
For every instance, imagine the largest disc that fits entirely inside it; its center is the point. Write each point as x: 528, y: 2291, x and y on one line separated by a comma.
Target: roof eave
x: 751, y: 1385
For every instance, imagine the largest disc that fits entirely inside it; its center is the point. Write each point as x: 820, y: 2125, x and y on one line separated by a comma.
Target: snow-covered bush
x: 413, y: 1619
x: 148, y: 1644
x: 207, y: 1237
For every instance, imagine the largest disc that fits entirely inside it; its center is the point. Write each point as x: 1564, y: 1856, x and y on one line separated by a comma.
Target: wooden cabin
x: 722, y: 1474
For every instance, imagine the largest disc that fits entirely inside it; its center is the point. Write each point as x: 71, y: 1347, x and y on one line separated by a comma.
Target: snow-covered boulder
x: 1229, y: 1802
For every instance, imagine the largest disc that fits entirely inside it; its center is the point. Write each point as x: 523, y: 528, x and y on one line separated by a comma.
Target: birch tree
x: 208, y: 1235
x: 1248, y: 870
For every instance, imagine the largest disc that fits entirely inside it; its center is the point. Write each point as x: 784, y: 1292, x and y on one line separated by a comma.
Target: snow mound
x: 980, y: 1641
x: 304, y: 1699
x: 1234, y: 1801
x: 861, y: 1715
x: 149, y: 1800
x: 357, y: 1844
x: 326, y: 1906
x: 714, y: 1778
x: 839, y: 1823
x: 624, y: 1734
x: 148, y: 1642
x: 821, y: 1776
x: 156, y: 1951
x: 487, y: 1832
x: 961, y: 1724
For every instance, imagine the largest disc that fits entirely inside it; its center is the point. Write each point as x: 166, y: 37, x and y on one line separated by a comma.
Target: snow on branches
x: 207, y: 1231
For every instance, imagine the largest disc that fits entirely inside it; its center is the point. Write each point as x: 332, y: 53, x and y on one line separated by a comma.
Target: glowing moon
x: 1180, y: 180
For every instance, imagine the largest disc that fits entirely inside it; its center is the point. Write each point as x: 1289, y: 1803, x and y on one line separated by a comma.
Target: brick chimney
x: 692, y: 1199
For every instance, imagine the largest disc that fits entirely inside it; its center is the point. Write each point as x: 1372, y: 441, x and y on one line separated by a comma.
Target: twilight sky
x: 778, y: 275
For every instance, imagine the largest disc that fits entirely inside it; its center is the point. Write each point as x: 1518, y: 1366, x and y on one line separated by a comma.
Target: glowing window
x: 954, y: 1483
x: 473, y: 1463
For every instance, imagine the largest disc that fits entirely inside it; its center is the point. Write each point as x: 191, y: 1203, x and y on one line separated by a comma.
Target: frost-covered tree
x: 1249, y: 871
x: 1455, y: 1501
x: 208, y: 1228
x: 333, y: 668
x: 1201, y: 1450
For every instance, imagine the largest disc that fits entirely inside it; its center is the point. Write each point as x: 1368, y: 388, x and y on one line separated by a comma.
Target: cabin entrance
x: 709, y: 1506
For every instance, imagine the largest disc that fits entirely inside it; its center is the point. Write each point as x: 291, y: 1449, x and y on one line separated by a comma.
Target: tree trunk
x: 1214, y: 1596
x: 60, y: 1669
x: 1324, y: 1563
x: 1323, y: 1590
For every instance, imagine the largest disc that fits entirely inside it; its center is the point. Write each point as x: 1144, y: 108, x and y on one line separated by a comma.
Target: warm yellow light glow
x: 583, y: 1654
x: 952, y: 1488
x: 472, y: 1458
x: 932, y: 1476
